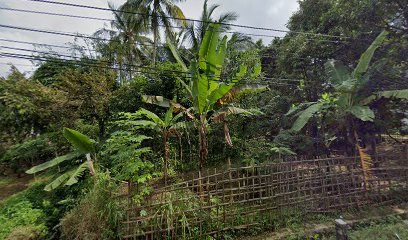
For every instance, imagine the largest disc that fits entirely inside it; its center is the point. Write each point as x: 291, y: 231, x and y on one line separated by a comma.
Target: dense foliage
x: 139, y: 111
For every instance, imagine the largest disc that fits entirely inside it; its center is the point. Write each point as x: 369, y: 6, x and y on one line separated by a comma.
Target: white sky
x: 259, y: 13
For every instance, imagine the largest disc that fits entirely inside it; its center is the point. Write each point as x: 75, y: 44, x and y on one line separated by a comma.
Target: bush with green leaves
x: 299, y: 143
x: 22, y: 214
x: 30, y: 151
x: 98, y: 213
x: 37, y: 213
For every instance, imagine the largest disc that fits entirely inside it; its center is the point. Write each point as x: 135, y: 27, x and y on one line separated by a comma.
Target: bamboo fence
x: 211, y: 203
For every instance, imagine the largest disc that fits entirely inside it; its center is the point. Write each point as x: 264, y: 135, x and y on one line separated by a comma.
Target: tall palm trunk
x: 155, y: 33
x: 155, y: 26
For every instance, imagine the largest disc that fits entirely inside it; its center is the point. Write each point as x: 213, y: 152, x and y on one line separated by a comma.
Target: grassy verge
x: 370, y: 223
x: 390, y: 228
x: 29, y: 212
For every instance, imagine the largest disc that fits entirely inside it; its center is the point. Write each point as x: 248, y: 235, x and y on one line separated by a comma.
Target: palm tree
x: 348, y: 102
x: 167, y: 127
x: 156, y: 13
x: 128, y: 42
x: 195, y: 32
x: 205, y: 89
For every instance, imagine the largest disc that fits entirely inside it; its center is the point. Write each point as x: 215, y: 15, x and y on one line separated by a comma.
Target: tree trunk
x: 181, y: 151
x: 203, y: 150
x: 166, y: 158
x: 90, y: 164
x: 154, y: 46
x: 101, y: 125
x: 365, y: 159
x: 203, y: 142
x: 155, y: 26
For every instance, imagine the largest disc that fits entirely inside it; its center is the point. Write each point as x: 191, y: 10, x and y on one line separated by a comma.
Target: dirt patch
x: 11, y: 185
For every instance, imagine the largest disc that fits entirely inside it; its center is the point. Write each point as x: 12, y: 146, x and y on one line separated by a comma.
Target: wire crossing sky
x: 269, y: 14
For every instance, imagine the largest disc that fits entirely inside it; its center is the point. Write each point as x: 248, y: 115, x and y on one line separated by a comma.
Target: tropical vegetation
x: 153, y: 98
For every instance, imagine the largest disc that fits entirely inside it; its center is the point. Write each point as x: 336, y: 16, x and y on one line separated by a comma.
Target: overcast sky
x: 259, y: 13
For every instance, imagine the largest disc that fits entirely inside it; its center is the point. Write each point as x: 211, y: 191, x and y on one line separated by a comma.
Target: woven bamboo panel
x: 238, y: 198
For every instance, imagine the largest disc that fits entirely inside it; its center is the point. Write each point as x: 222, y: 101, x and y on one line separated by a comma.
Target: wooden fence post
x: 341, y: 230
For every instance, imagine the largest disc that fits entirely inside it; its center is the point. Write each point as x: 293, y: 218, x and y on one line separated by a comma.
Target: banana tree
x: 205, y: 89
x: 83, y: 146
x: 167, y: 127
x: 349, y: 102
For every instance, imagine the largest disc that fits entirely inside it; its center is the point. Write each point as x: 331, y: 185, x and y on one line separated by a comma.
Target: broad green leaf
x: 168, y: 117
x: 366, y: 57
x: 176, y: 118
x: 257, y: 71
x: 202, y: 92
x: 213, y: 86
x: 236, y: 110
x: 305, y: 116
x: 176, y: 55
x: 207, y: 53
x: 187, y: 87
x: 363, y: 113
x: 53, y: 162
x: 398, y: 94
x: 297, y: 108
x: 183, y: 125
x: 401, y: 94
x: 150, y: 115
x: 146, y: 124
x: 218, y: 93
x: 222, y: 114
x: 347, y: 86
x: 336, y: 71
x: 242, y: 71
x: 220, y: 58
x: 156, y: 100
x: 250, y: 88
x: 79, y: 140
x: 194, y: 71
x: 58, y: 181
x: 76, y: 174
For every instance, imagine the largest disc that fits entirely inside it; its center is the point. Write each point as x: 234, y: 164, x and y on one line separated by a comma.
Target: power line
x: 92, y: 50
x: 70, y: 34
x: 188, y: 19
x: 97, y: 64
x: 179, y: 27
x: 40, y: 44
x: 88, y: 59
x: 16, y: 64
x: 135, y: 66
x: 27, y: 57
x: 127, y: 65
x: 54, y: 14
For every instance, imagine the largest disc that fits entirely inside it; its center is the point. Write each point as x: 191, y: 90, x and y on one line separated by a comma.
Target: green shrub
x: 35, y: 211
x: 390, y: 228
x: 22, y: 214
x: 23, y: 155
x: 97, y: 215
x: 27, y: 233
